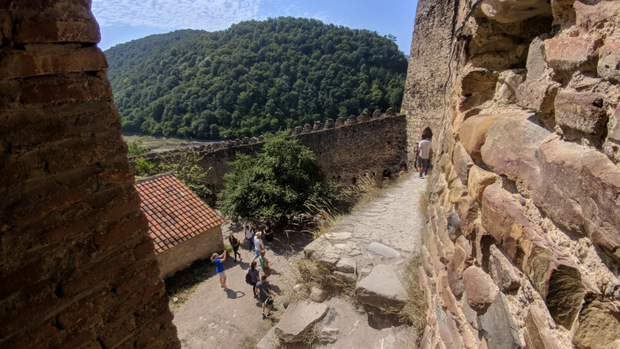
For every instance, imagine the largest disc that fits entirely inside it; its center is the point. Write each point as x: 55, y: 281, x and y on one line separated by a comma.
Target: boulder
x: 582, y: 111
x: 479, y: 179
x: 317, y: 294
x: 538, y: 95
x: 614, y: 125
x: 579, y: 191
x: 609, y: 61
x: 448, y: 329
x: 563, y: 11
x: 510, y: 147
x: 480, y: 288
x: 462, y: 162
x: 598, y: 325
x: 537, y: 333
x: 347, y: 265
x: 455, y: 268
x: 383, y: 250
x: 510, y: 11
x: 502, y: 271
x: 569, y: 53
x: 497, y: 325
x: 297, y: 318
x: 536, y: 65
x: 472, y: 133
x: 381, y: 288
x: 593, y: 13
x: 316, y: 248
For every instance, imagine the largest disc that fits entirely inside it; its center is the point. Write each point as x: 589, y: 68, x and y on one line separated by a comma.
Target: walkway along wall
x: 346, y: 149
x: 522, y: 241
x: 77, y: 268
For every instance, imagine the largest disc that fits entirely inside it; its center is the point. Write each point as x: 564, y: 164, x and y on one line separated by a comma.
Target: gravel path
x: 213, y: 317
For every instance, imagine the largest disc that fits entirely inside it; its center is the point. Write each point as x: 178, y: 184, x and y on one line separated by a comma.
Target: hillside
x: 254, y: 77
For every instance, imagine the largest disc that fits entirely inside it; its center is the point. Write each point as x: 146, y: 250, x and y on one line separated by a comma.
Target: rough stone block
x: 347, y: 265
x: 381, y: 288
x: 507, y: 84
x: 614, y: 125
x: 477, y: 87
x: 563, y: 11
x: 498, y: 327
x: 44, y: 91
x: 536, y: 65
x: 455, y: 268
x: 502, y: 271
x: 479, y: 179
x: 569, y: 53
x: 58, y: 21
x: 592, y: 13
x: 480, y: 289
x: 510, y: 147
x: 468, y: 210
x: 598, y: 324
x: 383, y: 250
x: 580, y: 111
x: 579, y: 191
x: 297, y: 318
x: 448, y: 329
x: 462, y: 162
x: 537, y: 334
x: 472, y: 133
x: 609, y: 62
x: 44, y: 61
x: 317, y: 294
x: 538, y: 95
x: 510, y: 11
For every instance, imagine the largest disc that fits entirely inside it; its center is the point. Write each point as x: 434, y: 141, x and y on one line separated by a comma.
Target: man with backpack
x: 265, y: 295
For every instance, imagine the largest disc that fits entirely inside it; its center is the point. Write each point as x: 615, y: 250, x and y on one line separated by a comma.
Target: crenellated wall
x: 346, y: 149
x: 77, y: 268
x: 522, y: 241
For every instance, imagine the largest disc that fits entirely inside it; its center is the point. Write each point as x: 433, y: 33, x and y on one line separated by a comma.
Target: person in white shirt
x: 426, y: 152
x: 249, y: 235
x: 258, y: 245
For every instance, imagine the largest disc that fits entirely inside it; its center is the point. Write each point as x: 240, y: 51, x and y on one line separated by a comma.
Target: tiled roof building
x: 182, y: 226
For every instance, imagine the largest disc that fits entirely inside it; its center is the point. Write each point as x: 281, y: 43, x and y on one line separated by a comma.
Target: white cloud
x: 175, y: 14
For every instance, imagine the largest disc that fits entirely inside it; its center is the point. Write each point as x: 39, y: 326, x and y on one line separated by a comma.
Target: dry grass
x: 321, y: 274
x: 416, y: 307
x: 425, y: 198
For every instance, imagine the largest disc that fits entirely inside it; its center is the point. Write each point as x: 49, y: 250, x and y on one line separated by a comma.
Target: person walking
x: 249, y: 236
x: 235, y: 245
x: 219, y: 260
x: 268, y: 234
x: 426, y: 152
x: 264, y: 263
x: 253, y: 277
x: 258, y: 245
x: 265, y: 295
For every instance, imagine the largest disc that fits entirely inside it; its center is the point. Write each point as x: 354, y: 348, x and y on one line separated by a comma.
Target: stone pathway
x: 385, y: 232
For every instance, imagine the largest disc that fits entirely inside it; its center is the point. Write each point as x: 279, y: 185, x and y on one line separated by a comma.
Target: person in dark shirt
x: 265, y: 295
x: 235, y: 245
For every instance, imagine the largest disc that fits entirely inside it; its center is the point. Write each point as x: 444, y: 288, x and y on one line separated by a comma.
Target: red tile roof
x: 175, y: 213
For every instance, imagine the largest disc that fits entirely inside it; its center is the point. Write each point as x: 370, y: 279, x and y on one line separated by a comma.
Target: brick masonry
x: 67, y: 277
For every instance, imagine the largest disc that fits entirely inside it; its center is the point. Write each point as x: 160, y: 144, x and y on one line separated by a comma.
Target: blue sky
x: 126, y: 20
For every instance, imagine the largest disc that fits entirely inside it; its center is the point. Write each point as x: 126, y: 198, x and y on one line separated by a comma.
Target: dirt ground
x: 212, y: 317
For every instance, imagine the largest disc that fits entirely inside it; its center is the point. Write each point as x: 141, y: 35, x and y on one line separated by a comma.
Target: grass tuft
x: 416, y: 307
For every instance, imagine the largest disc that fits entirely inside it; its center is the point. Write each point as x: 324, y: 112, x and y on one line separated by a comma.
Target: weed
x: 415, y: 309
x: 321, y: 274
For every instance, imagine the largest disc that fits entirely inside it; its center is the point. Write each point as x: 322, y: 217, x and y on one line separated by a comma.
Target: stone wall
x: 522, y: 241
x: 346, y: 149
x: 77, y: 268
x: 184, y: 254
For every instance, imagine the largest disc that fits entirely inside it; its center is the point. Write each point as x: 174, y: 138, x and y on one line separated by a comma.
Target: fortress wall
x: 77, y: 268
x: 521, y: 246
x: 346, y: 149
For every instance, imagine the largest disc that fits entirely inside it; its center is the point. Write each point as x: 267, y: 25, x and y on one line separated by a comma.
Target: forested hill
x: 254, y: 77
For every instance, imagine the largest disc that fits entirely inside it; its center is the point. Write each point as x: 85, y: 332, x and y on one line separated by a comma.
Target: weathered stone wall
x: 77, y: 268
x: 346, y: 149
x: 522, y: 242
x: 187, y: 252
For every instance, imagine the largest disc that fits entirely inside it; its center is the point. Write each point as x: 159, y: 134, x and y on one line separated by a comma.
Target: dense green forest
x: 255, y: 77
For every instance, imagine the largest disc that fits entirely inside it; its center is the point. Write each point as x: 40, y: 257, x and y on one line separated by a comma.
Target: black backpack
x: 248, y: 278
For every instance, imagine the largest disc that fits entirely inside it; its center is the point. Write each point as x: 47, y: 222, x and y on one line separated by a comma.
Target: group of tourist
x: 260, y: 285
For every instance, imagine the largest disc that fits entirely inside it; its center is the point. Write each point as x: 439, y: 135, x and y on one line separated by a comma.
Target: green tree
x: 272, y: 184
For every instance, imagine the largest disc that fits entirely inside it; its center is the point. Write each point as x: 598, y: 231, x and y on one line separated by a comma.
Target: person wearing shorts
x: 265, y: 295
x: 219, y: 267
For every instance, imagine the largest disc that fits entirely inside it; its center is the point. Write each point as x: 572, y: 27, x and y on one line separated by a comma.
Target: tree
x: 272, y: 184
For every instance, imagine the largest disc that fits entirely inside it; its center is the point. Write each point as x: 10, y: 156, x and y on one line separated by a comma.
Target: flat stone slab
x: 298, y: 317
x: 338, y: 236
x: 383, y: 250
x: 381, y: 288
x: 346, y: 265
x: 269, y: 341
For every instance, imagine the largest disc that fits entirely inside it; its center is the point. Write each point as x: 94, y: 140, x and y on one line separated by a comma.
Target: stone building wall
x: 522, y: 242
x: 77, y: 268
x: 346, y: 149
x: 184, y: 254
